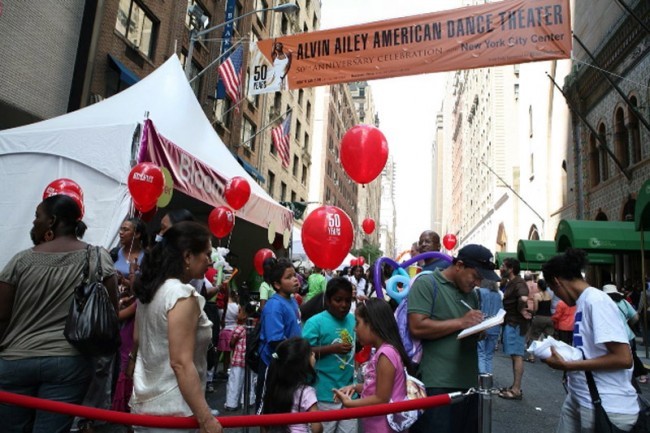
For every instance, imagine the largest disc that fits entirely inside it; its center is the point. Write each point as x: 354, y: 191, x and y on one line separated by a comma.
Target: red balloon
x: 237, y: 192
x: 260, y: 256
x: 327, y: 236
x: 144, y: 207
x: 449, y: 241
x: 361, y: 261
x: 354, y: 262
x: 146, y: 183
x: 58, y: 186
x: 221, y: 221
x: 368, y: 225
x: 364, y: 152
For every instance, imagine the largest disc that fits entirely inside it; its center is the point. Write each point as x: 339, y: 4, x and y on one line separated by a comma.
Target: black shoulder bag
x: 92, y: 325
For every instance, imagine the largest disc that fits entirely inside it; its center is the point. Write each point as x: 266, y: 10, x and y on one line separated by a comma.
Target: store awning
x: 128, y: 76
x: 535, y: 251
x: 642, y: 208
x: 251, y: 170
x: 500, y: 256
x: 604, y: 236
x: 539, y: 252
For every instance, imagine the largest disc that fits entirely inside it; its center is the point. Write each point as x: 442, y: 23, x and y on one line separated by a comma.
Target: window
x: 194, y: 71
x: 306, y: 144
x: 293, y: 196
x: 285, y: 25
x: 248, y: 134
x: 136, y: 26
x: 283, y: 191
x: 271, y: 177
x: 602, y: 153
x: 298, y: 130
x: 594, y: 161
x: 308, y: 110
x: 530, y: 120
x: 634, y: 134
x: 295, y: 166
x: 301, y: 95
x: 277, y: 102
x: 303, y: 177
x: 328, y: 195
x: 261, y: 14
x: 621, y: 138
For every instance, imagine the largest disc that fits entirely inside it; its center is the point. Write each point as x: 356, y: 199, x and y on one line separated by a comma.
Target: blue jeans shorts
x: 514, y: 344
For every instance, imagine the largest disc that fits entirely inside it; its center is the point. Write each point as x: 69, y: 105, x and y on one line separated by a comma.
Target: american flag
x: 230, y: 72
x: 281, y: 137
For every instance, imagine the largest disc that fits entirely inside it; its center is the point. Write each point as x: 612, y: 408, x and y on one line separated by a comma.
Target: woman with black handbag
x: 600, y: 397
x: 36, y: 291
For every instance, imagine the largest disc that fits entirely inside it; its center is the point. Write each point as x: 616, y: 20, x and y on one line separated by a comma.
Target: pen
x: 466, y: 304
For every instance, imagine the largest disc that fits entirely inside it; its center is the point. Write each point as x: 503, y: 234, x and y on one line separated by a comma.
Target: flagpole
x: 203, y: 71
x: 266, y: 126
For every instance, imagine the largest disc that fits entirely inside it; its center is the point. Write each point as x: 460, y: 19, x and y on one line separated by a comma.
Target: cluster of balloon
x: 364, y: 152
x: 221, y: 221
x: 146, y: 183
x: 237, y: 192
x: 327, y: 236
x: 368, y: 225
x: 359, y: 261
x: 69, y: 187
x: 449, y: 241
x: 260, y: 256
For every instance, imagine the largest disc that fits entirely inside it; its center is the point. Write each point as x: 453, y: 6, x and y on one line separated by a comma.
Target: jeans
x: 57, y: 378
x: 486, y: 348
x: 459, y: 417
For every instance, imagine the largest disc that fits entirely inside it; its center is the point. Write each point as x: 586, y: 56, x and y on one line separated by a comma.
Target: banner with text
x: 500, y: 33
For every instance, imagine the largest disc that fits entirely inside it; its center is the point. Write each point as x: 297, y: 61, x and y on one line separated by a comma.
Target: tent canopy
x: 598, y: 236
x: 96, y: 146
x: 642, y: 208
x: 500, y: 256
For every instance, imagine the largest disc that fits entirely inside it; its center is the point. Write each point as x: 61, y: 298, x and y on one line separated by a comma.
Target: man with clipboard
x: 436, y: 316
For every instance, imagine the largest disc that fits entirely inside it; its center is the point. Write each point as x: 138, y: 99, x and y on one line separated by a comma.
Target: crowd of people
x: 326, y: 341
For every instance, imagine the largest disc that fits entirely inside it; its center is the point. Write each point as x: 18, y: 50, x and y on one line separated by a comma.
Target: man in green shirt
x: 441, y: 305
x: 316, y: 283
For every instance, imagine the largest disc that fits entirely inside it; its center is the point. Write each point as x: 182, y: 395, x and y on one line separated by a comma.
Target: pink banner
x: 199, y: 180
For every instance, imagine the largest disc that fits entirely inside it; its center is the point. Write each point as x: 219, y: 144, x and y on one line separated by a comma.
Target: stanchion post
x: 485, y: 403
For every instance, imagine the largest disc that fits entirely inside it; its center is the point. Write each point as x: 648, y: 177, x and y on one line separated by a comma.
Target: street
x: 538, y: 412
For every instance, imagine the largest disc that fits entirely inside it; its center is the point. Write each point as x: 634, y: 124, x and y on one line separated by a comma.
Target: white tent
x: 95, y: 147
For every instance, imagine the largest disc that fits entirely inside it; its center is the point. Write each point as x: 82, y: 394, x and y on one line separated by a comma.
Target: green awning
x: 535, y: 251
x: 501, y: 255
x: 642, y: 208
x: 603, y: 236
x: 539, y: 252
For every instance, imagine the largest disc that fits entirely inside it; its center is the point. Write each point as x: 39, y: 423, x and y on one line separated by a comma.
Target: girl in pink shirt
x: 384, y: 378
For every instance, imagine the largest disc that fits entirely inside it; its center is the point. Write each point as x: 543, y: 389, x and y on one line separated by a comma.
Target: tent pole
x: 645, y: 296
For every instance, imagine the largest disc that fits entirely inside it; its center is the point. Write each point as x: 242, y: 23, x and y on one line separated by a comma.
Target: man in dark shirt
x: 430, y: 241
x: 517, y: 321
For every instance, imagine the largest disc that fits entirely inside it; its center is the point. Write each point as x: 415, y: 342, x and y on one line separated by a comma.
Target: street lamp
x: 196, y: 34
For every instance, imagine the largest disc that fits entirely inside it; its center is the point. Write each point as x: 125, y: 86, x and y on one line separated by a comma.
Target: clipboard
x: 487, y: 323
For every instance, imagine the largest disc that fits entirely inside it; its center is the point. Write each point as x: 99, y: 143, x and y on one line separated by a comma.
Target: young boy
x: 235, y: 387
x: 332, y: 338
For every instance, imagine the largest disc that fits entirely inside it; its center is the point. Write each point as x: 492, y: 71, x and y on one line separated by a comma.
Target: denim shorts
x: 513, y: 342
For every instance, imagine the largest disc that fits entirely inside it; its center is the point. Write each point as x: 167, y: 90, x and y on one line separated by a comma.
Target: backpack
x: 252, y: 356
x: 412, y: 345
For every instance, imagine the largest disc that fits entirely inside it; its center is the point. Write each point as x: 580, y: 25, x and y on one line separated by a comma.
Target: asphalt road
x: 537, y: 412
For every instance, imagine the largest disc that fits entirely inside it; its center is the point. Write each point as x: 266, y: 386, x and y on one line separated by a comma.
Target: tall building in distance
x: 369, y: 196
x: 388, y: 211
x: 329, y: 184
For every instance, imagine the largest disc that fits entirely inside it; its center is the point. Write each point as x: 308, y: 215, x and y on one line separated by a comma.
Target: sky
x: 407, y: 108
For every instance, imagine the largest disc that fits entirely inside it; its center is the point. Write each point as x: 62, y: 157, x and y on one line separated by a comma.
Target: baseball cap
x: 479, y: 258
x: 610, y: 288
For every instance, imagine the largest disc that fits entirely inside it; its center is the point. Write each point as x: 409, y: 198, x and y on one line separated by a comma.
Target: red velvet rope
x: 171, y: 422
